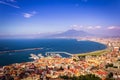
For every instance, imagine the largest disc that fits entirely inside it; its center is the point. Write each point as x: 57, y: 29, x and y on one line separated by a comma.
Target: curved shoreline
x: 93, y: 53
x: 97, y: 52
x: 34, y: 48
x: 76, y: 65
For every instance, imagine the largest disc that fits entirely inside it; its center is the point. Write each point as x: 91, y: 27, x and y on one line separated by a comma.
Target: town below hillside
x: 98, y: 65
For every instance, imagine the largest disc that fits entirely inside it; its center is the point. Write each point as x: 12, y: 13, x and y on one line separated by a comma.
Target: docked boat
x: 33, y: 56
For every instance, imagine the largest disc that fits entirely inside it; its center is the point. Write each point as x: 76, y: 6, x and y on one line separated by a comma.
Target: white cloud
x: 9, y: 4
x: 29, y: 15
x: 93, y: 27
x: 97, y: 27
x: 90, y: 27
x: 111, y: 27
x: 77, y: 27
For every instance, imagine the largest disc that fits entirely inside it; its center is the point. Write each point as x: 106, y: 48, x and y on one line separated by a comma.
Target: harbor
x: 53, y: 54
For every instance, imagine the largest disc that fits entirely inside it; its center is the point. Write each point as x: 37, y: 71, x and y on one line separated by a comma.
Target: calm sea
x: 68, y: 45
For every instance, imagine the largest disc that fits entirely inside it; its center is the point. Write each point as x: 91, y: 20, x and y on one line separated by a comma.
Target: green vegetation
x: 95, y: 53
x: 82, y: 77
x: 110, y: 76
x: 108, y: 65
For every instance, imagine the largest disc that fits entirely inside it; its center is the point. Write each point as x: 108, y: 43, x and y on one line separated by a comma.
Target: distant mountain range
x: 81, y: 33
x: 108, y: 33
x: 68, y: 34
x: 114, y: 33
x: 72, y: 33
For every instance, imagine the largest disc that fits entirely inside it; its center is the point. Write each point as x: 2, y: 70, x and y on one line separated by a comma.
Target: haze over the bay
x: 29, y: 17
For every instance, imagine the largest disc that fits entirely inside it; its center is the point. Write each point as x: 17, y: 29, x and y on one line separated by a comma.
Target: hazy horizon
x: 24, y: 17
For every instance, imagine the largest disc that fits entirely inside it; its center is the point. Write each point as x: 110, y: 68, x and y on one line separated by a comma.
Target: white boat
x: 40, y: 56
x: 33, y: 56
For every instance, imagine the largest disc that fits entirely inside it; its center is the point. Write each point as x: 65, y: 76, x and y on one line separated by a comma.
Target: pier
x: 21, y: 50
x: 58, y: 52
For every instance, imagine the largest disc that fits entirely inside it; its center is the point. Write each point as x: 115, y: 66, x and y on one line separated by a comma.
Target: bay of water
x: 67, y: 45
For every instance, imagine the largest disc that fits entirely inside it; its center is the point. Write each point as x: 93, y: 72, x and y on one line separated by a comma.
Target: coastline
x: 94, y: 53
x: 110, y: 44
x: 74, y: 66
x: 32, y: 49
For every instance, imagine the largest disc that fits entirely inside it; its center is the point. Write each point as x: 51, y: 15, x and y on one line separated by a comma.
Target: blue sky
x: 43, y: 16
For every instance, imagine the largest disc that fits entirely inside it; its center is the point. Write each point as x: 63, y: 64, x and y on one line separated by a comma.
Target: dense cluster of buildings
x: 54, y: 67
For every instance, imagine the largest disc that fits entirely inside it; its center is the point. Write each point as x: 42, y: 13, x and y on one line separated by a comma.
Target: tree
x: 108, y: 65
x: 89, y: 77
x: 64, y: 77
x: 82, y: 77
x: 110, y: 76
